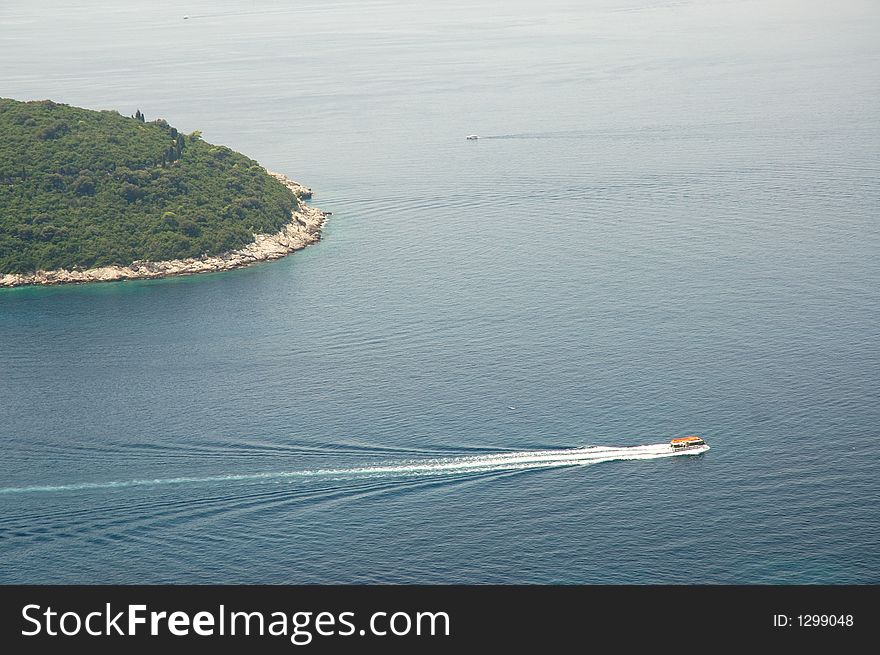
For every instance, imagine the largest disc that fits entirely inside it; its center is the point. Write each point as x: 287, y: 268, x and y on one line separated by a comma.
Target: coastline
x: 303, y: 230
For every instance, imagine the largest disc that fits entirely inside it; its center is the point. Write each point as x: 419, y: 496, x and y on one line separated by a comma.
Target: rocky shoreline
x: 303, y: 230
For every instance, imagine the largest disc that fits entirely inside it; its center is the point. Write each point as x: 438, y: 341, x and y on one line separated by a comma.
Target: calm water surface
x: 670, y: 226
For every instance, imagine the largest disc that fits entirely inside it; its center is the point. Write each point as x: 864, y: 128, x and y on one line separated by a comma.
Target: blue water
x: 670, y: 228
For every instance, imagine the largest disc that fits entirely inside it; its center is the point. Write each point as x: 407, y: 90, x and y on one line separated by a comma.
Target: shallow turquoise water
x: 669, y: 227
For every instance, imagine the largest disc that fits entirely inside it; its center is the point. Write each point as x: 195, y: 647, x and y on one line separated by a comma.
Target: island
x: 94, y: 196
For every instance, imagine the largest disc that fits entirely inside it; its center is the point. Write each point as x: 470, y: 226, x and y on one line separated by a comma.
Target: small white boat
x: 472, y: 137
x: 690, y: 443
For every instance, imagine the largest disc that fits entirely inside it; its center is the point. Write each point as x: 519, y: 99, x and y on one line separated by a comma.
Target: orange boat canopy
x: 688, y: 439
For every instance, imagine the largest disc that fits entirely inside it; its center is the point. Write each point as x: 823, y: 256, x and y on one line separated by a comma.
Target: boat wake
x: 507, y: 461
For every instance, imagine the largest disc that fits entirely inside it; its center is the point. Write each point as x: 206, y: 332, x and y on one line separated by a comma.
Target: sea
x: 669, y: 226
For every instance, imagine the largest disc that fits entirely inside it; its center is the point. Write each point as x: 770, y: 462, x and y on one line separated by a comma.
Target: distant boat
x: 472, y: 137
x: 689, y: 442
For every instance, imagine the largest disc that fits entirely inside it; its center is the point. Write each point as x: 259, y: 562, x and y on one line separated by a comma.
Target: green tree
x: 87, y: 188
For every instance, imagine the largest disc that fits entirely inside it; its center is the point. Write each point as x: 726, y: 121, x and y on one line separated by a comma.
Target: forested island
x: 93, y: 195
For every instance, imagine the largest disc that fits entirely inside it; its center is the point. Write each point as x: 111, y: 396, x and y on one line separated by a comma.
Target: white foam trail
x: 448, y: 465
